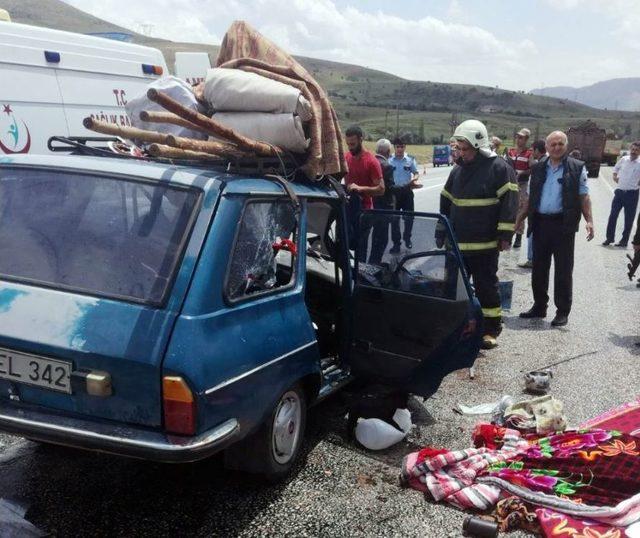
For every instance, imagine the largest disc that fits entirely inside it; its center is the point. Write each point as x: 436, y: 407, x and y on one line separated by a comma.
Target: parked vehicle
x: 442, y: 155
x: 612, y: 150
x: 52, y: 80
x: 167, y: 311
x: 590, y: 140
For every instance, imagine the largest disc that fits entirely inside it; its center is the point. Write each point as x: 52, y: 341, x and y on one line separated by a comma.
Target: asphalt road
x: 338, y: 489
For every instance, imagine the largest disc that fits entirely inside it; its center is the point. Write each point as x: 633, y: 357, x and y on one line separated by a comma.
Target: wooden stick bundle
x: 211, y: 126
x: 130, y: 133
x: 168, y: 152
x: 153, y: 116
x: 205, y: 146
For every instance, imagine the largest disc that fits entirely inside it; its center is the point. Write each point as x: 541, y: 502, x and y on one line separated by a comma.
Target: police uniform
x: 403, y: 170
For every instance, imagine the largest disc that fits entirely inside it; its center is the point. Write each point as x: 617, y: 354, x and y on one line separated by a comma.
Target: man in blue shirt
x: 558, y: 197
x: 405, y: 177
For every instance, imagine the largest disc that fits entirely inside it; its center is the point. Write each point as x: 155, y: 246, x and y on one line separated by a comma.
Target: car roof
x: 204, y: 178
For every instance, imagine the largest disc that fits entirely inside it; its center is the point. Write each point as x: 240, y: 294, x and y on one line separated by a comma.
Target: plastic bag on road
x: 376, y: 434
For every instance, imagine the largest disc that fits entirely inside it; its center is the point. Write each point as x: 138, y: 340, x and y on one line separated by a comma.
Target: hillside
x: 614, y: 94
x: 384, y: 104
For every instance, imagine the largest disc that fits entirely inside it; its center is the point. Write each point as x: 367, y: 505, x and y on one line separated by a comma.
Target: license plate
x: 33, y: 370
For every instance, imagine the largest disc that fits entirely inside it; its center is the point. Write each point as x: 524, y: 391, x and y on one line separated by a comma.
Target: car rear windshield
x: 103, y: 236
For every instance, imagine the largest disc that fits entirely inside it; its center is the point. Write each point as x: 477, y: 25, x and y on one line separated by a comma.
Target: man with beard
x: 363, y: 181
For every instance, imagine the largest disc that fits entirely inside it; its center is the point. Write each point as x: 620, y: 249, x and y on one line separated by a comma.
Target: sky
x: 513, y: 45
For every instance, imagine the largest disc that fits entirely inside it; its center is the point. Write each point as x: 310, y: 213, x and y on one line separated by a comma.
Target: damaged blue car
x: 168, y: 312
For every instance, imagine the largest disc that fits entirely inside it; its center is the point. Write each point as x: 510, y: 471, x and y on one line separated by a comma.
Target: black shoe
x: 606, y: 243
x: 560, y: 320
x: 395, y: 249
x: 534, y: 312
x: 518, y: 242
x: 408, y: 243
x: 621, y: 244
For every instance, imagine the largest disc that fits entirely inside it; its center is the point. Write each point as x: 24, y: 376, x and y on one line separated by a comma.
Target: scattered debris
x: 376, y: 434
x: 477, y: 526
x: 538, y: 381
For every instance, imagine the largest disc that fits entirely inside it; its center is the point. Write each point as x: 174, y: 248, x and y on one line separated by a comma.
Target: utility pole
x: 537, y: 136
x: 453, y: 123
x: 397, y: 120
x: 386, y: 122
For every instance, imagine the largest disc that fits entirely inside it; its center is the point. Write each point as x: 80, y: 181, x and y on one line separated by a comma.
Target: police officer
x: 480, y: 198
x: 558, y: 196
x: 405, y: 177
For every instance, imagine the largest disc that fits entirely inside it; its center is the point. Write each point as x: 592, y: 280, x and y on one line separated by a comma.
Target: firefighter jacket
x: 480, y: 199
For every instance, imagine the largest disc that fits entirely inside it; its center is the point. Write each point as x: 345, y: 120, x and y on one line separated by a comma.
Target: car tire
x: 273, y: 450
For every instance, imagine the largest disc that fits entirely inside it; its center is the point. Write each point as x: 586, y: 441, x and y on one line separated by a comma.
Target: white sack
x: 282, y: 130
x: 234, y: 90
x: 177, y: 89
x: 376, y: 434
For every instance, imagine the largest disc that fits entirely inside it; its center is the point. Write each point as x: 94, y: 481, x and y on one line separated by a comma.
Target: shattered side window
x: 264, y: 254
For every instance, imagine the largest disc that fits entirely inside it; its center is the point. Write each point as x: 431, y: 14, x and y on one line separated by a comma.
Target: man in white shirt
x: 627, y: 175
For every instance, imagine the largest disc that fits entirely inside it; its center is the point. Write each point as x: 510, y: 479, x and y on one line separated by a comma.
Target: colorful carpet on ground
x: 582, y: 483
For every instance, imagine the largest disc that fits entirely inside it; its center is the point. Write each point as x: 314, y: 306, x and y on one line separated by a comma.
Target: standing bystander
x: 539, y: 150
x: 626, y: 174
x: 521, y: 158
x: 558, y: 195
x: 380, y: 236
x: 405, y: 177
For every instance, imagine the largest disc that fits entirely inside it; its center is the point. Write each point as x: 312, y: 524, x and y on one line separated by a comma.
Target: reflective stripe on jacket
x: 480, y: 199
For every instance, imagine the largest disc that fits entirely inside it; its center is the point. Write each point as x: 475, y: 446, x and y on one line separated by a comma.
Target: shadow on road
x: 71, y: 492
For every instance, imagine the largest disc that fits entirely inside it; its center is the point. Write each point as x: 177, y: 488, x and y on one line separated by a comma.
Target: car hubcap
x: 286, y: 427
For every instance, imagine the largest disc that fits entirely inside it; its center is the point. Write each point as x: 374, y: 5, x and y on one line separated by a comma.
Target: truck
x: 589, y: 139
x: 612, y: 150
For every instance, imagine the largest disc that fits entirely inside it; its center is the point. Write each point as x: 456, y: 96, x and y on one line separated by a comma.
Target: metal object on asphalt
x: 538, y: 381
x: 286, y: 427
x: 476, y: 526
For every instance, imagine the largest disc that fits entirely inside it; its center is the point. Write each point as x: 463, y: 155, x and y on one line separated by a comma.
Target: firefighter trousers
x: 483, y: 270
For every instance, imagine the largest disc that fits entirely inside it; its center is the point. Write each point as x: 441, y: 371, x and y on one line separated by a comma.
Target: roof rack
x: 101, y: 146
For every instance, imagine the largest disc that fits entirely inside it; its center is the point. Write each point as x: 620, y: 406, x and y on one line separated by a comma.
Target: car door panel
x: 414, y: 315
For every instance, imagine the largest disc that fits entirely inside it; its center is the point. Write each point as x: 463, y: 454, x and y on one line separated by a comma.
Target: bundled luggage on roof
x: 257, y: 102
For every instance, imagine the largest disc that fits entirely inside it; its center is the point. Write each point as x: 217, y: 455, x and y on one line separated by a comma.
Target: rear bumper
x: 123, y: 440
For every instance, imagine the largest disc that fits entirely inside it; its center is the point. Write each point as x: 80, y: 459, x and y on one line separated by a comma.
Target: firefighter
x: 480, y: 198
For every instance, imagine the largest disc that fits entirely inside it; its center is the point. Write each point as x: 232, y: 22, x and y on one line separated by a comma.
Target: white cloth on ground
x: 282, y: 130
x: 234, y: 90
x: 173, y: 87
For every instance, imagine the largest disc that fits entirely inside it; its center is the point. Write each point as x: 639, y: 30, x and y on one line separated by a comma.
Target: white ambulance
x: 51, y: 80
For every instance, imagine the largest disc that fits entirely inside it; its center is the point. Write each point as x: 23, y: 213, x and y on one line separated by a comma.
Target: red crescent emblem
x: 26, y: 147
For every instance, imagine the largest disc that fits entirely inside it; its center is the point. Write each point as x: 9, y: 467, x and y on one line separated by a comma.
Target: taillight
x: 179, y: 406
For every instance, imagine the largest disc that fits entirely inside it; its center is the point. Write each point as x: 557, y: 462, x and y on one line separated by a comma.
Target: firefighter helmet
x: 474, y: 132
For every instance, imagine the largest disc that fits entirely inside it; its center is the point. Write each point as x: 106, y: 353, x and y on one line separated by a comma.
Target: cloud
x: 421, y: 49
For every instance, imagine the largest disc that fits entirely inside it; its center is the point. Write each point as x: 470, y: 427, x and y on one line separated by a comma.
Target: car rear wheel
x: 274, y: 448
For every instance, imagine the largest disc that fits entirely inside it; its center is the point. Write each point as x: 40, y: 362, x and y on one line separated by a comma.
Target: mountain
x: 382, y: 103
x: 614, y: 94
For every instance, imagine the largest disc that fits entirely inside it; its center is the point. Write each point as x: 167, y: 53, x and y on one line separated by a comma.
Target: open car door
x: 415, y: 318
